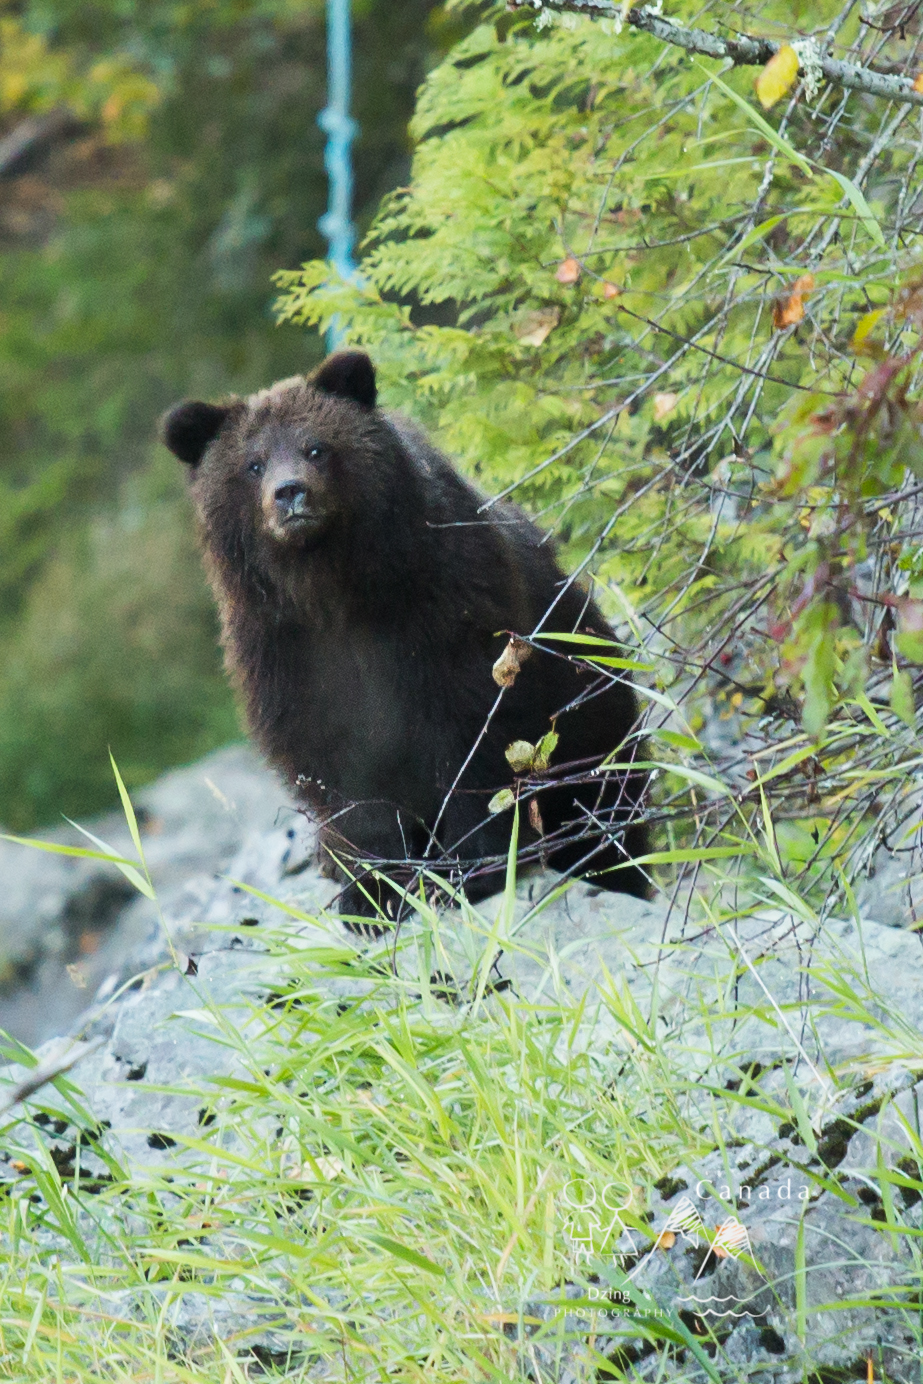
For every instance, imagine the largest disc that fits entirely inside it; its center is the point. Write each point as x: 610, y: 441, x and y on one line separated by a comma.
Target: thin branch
x: 32, y: 138
x: 742, y: 52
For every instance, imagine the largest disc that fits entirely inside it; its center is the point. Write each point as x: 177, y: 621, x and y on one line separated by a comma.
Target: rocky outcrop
x: 761, y: 1238
x: 69, y: 925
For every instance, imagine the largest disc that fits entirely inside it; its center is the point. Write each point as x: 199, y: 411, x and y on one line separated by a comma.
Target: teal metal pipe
x: 335, y: 120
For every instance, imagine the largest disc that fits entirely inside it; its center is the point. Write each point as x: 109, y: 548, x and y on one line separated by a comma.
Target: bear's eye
x: 256, y: 468
x: 312, y: 453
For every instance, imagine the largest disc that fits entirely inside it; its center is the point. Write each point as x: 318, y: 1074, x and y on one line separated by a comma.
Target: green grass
x: 385, y: 1178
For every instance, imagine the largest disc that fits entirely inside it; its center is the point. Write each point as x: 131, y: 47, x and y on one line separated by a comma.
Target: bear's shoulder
x: 455, y: 494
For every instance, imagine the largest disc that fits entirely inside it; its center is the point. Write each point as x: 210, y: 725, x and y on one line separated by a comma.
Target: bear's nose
x: 290, y: 498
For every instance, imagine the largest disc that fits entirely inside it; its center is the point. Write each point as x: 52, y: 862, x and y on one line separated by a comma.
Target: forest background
x: 158, y: 162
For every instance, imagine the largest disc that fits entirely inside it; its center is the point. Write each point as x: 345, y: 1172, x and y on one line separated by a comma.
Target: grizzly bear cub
x: 365, y: 594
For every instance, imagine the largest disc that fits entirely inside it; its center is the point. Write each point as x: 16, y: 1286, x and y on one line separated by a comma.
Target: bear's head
x: 287, y: 472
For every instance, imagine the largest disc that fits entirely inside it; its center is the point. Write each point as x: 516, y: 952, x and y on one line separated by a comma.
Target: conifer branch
x: 741, y: 51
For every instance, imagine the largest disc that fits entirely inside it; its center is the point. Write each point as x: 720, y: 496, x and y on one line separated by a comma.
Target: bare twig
x: 33, y: 137
x: 64, y: 1056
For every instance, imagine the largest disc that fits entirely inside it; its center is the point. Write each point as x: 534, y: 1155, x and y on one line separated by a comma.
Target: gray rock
x: 774, y: 990
x: 66, y: 925
x: 892, y: 893
x: 559, y: 945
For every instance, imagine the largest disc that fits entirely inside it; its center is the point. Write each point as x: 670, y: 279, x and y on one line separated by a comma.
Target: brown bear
x: 365, y: 594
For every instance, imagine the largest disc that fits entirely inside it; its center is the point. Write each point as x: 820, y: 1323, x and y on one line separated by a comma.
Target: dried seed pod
x: 509, y: 664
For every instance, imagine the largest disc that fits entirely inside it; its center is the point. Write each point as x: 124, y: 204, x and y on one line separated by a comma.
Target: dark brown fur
x: 361, y: 620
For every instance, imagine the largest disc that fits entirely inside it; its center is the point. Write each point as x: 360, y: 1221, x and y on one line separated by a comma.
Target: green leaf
x: 130, y: 871
x: 808, y: 1136
x: 409, y: 1255
x: 863, y: 701
x: 801, y: 1283
x: 633, y: 665
x: 816, y: 629
x: 910, y: 644
x: 863, y: 210
x: 78, y: 852
x: 777, y: 141
x: 902, y: 701
x: 790, y: 762
x: 545, y: 749
x: 706, y: 781
x: 691, y: 854
x: 752, y: 236
x: 127, y: 807
x: 782, y: 145
x: 676, y: 739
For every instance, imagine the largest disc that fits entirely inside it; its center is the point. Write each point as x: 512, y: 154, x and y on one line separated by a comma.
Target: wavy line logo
x: 731, y: 1241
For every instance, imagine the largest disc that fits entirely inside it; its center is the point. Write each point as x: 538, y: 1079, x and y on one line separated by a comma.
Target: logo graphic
x: 683, y: 1220
x: 583, y: 1228
x: 731, y: 1240
x: 594, y: 1227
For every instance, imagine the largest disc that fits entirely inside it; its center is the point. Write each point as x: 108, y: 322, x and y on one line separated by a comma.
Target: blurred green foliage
x: 135, y: 265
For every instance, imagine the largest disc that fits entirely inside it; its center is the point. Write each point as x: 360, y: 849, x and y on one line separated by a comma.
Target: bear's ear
x: 189, y: 427
x: 348, y: 375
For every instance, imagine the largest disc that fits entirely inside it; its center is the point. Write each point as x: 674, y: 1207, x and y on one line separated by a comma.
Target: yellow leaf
x: 918, y: 83
x: 520, y: 756
x: 778, y: 76
x: 329, y: 1167
x: 536, y: 326
x: 501, y: 801
x: 866, y: 324
x: 509, y: 665
x: 664, y: 404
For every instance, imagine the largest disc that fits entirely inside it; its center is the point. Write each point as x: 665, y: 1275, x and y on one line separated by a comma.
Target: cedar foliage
x: 684, y: 332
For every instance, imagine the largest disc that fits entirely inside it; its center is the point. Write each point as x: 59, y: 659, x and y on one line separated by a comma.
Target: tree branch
x: 742, y: 52
x: 31, y: 139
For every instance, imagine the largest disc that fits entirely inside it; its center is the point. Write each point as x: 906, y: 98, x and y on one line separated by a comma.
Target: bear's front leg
x: 367, y: 846
x: 474, y: 844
